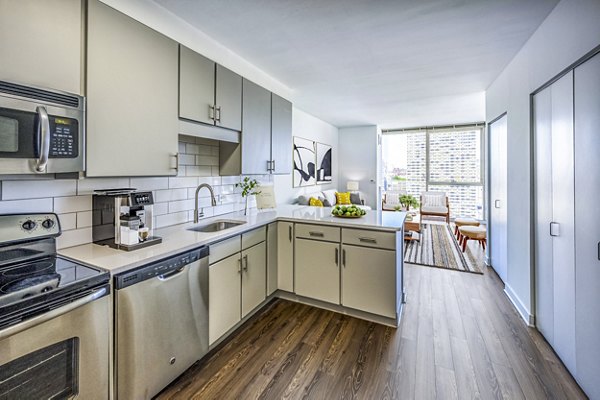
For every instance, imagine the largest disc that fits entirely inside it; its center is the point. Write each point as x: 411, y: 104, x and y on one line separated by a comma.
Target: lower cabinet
x: 317, y: 273
x: 254, y: 277
x: 368, y: 280
x: 225, y: 296
x: 285, y: 256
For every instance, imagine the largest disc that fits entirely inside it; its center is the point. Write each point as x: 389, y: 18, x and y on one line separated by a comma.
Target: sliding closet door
x: 498, y: 189
x: 563, y: 193
x: 555, y: 250
x: 587, y: 222
x: 544, y: 275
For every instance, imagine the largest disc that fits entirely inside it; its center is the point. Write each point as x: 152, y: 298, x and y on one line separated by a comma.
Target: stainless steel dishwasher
x: 161, y: 322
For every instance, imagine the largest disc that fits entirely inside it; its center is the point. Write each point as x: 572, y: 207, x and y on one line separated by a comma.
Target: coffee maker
x: 122, y: 218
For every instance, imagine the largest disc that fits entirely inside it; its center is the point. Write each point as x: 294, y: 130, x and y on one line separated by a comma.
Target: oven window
x: 9, y: 135
x: 48, y: 373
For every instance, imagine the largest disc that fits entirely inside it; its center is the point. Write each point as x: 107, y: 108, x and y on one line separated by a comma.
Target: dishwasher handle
x: 172, y: 274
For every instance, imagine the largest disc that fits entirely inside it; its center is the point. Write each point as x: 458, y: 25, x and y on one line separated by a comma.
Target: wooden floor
x: 459, y: 339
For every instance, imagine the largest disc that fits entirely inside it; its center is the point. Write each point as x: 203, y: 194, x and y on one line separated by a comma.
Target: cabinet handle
x: 246, y: 262
x: 553, y: 231
x: 497, y: 203
x: 218, y: 114
x: 268, y: 166
x: 290, y: 232
x: 316, y: 234
x: 176, y: 167
x: 211, y: 112
x: 239, y: 265
x: 367, y: 240
x: 344, y: 258
x: 598, y: 250
x: 337, y: 256
x: 272, y: 165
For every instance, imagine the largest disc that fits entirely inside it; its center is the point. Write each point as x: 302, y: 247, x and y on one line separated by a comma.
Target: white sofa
x: 328, y: 195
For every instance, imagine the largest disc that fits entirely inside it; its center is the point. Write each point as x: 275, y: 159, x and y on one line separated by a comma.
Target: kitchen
x: 96, y: 151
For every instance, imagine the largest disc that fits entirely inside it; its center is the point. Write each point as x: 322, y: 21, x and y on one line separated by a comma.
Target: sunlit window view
x: 447, y: 161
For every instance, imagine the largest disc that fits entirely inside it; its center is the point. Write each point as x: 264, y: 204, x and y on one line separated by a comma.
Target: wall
x: 312, y: 128
x: 173, y: 196
x: 359, y: 160
x: 570, y: 31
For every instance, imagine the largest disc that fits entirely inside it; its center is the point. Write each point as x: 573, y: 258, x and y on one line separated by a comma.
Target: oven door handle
x: 43, y: 137
x: 30, y: 323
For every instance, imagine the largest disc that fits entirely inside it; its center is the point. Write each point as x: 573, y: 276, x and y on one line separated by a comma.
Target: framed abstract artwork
x: 304, y: 162
x: 324, y: 163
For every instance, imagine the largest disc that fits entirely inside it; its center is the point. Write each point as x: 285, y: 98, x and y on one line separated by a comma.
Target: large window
x: 448, y: 160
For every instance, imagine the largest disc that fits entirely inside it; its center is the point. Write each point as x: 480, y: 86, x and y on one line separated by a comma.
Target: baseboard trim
x: 519, y: 306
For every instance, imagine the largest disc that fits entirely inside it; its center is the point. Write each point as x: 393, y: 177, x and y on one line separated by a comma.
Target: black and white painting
x: 304, y: 162
x: 323, y: 163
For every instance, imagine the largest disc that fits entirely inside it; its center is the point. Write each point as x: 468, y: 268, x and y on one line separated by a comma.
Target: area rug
x: 439, y: 248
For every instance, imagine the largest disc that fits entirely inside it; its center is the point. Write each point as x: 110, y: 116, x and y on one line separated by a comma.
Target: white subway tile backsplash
x: 170, y: 195
x: 72, y: 204
x: 194, y: 170
x: 25, y: 206
x: 171, y: 219
x: 181, y: 147
x: 181, y: 205
x: 211, y: 180
x: 192, y: 148
x: 214, y: 151
x: 207, y: 160
x: 84, y: 219
x: 204, y: 150
x: 13, y: 190
x: 187, y: 159
x: 68, y: 221
x: 150, y: 183
x: 228, y: 180
x: 223, y: 209
x: 182, y: 182
x: 74, y: 238
x: 161, y: 208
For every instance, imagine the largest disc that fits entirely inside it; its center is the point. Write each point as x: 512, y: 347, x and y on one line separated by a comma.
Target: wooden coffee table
x: 413, y: 226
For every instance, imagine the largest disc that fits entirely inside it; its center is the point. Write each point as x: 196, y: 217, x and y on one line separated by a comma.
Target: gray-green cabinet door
x: 316, y: 270
x: 256, y: 129
x: 228, y: 99
x: 131, y: 97
x: 196, y: 86
x: 254, y: 277
x: 281, y: 135
x: 587, y: 229
x: 41, y: 43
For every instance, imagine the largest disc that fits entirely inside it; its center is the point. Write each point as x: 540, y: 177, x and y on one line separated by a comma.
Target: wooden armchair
x: 435, y: 204
x: 391, y: 200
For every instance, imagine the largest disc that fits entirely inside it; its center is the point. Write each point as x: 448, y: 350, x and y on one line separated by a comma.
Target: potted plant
x: 408, y: 201
x: 248, y: 189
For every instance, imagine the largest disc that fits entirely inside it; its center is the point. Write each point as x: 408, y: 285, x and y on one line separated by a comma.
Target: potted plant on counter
x: 248, y: 189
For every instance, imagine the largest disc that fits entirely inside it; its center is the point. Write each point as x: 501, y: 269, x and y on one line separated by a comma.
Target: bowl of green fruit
x: 350, y: 211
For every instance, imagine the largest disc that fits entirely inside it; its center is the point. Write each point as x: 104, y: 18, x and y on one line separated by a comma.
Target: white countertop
x: 179, y: 238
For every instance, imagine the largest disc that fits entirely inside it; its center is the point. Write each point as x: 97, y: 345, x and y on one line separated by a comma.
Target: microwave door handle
x: 43, y: 137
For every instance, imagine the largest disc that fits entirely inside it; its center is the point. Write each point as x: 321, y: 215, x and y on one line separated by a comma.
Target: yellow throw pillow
x: 342, y: 198
x: 315, y: 202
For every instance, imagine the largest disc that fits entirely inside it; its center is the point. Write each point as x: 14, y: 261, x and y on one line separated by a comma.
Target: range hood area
x: 196, y: 129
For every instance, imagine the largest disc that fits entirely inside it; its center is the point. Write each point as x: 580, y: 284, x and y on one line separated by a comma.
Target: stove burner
x: 28, y: 269
x: 42, y: 283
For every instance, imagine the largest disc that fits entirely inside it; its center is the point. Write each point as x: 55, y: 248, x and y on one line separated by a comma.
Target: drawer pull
x: 344, y: 258
x: 367, y: 240
x: 337, y: 256
x: 290, y: 233
x: 316, y: 234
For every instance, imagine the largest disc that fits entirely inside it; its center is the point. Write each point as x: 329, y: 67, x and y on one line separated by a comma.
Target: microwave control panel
x: 64, y: 137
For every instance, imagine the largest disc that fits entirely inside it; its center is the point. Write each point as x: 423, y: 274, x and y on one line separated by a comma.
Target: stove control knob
x: 48, y: 223
x: 28, y: 225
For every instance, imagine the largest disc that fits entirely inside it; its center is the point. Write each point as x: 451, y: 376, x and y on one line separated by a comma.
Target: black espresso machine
x: 122, y: 218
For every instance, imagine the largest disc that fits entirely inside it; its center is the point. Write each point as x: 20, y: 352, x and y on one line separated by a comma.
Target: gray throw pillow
x: 355, y: 198
x: 303, y: 200
x: 325, y: 202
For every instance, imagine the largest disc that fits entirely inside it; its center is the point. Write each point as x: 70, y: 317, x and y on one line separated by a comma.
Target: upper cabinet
x: 281, y: 135
x: 132, y: 75
x: 256, y: 129
x: 208, y: 92
x: 41, y: 43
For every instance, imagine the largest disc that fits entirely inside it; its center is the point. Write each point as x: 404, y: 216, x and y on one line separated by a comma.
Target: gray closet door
x: 281, y: 135
x: 560, y: 226
x: 587, y: 222
x: 196, y: 86
x: 498, y: 195
x: 256, y: 129
x: 228, y: 99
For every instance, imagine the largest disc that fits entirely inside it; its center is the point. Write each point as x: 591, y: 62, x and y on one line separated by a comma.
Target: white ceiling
x: 392, y: 63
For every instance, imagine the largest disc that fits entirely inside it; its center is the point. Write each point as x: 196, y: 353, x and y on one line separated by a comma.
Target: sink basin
x: 217, y: 226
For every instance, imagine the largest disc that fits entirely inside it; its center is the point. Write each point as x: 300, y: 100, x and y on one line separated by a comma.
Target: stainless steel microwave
x: 41, y: 130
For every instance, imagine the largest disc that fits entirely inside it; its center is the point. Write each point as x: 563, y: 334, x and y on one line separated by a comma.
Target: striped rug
x: 439, y: 248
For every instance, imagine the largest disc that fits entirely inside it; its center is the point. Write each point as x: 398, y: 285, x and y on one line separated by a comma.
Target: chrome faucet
x: 213, y: 201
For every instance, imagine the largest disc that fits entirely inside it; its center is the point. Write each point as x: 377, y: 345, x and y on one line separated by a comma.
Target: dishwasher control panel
x: 162, y: 269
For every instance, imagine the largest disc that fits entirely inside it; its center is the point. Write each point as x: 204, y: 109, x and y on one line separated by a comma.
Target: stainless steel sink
x: 217, y: 226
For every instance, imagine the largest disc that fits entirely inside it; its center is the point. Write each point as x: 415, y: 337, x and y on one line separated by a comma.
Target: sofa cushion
x: 325, y: 202
x: 355, y: 198
x: 434, y: 210
x: 330, y: 196
x: 313, y: 201
x: 342, y: 198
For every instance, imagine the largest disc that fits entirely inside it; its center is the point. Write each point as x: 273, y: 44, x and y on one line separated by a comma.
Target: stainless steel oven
x: 54, y: 316
x: 41, y: 130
